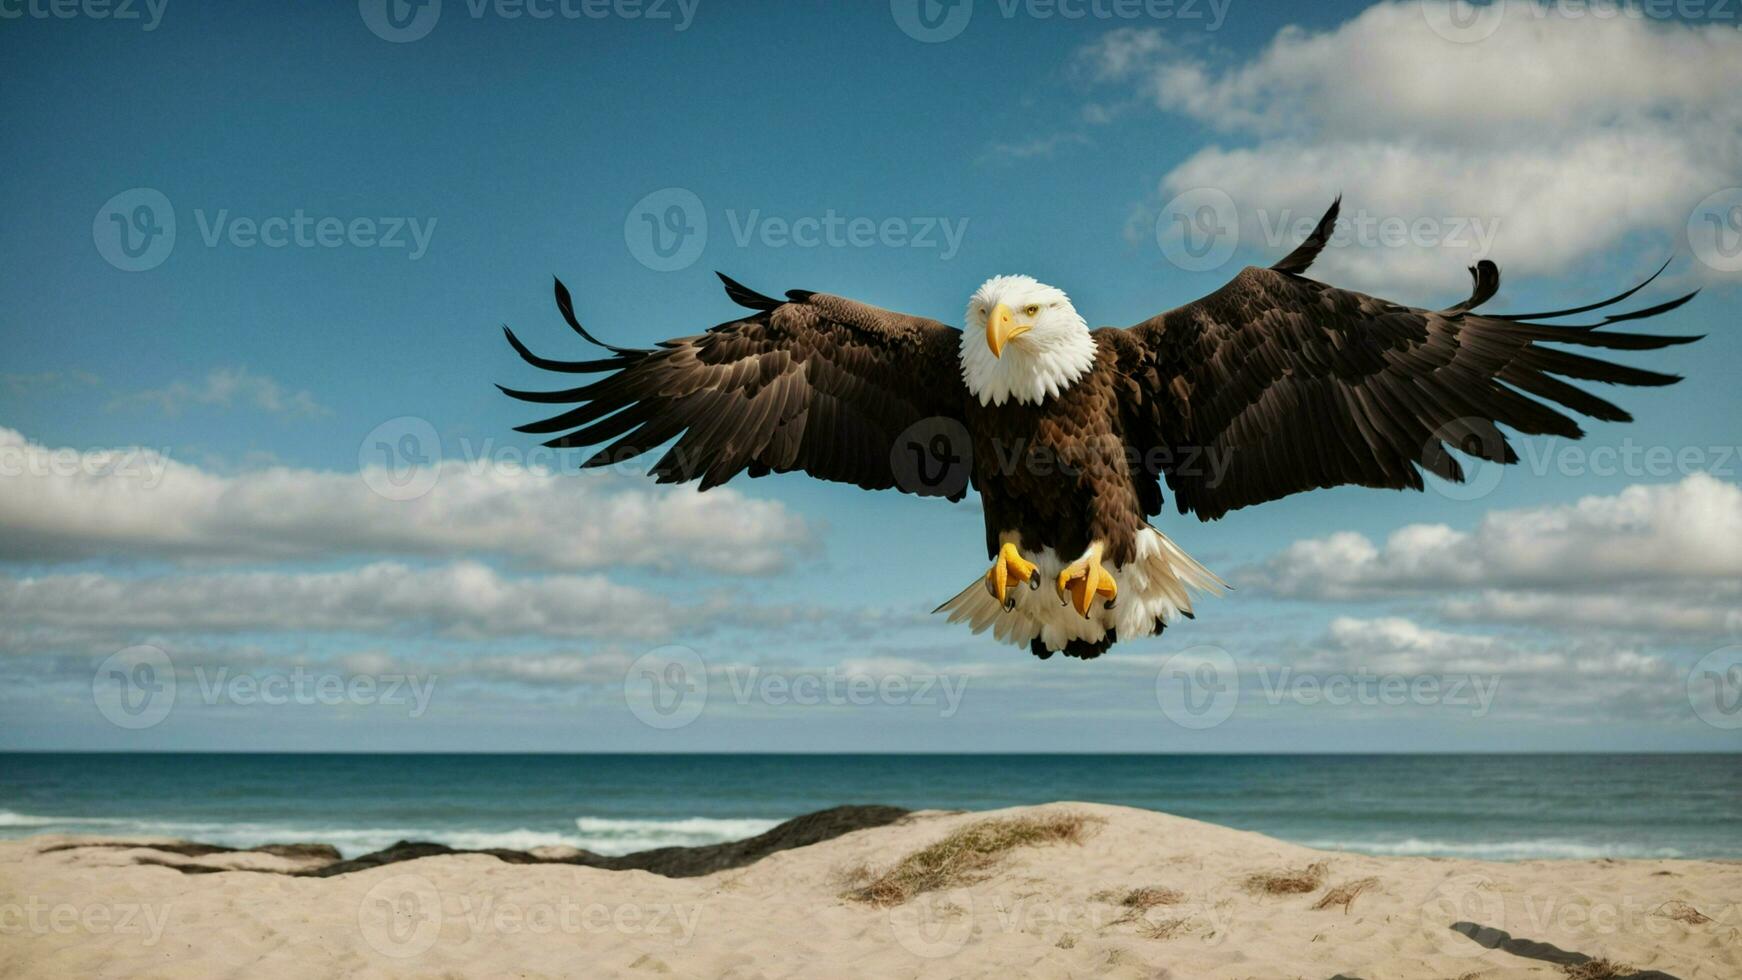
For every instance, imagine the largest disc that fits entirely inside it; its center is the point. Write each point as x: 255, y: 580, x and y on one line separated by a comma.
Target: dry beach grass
x: 965, y: 856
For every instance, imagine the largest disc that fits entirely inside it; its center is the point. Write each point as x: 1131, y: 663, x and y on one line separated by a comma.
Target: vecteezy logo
x: 135, y: 230
x: 1198, y: 688
x: 400, y: 21
x: 667, y: 230
x: 1461, y: 22
x: 667, y: 687
x: 1715, y: 688
x: 1199, y: 229
x: 934, y: 925
x: 400, y: 459
x: 135, y: 688
x: 932, y: 457
x: 1458, y: 910
x: 401, y: 916
x: 1478, y: 439
x: 932, y: 21
x: 1715, y: 230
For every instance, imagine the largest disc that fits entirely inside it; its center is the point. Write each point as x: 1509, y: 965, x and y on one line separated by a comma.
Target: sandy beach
x: 1063, y: 890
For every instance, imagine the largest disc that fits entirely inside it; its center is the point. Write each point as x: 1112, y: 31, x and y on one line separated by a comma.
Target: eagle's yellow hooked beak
x: 1001, y: 327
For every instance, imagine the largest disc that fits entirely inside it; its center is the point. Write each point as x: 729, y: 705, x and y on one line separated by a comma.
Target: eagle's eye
x: 1031, y: 309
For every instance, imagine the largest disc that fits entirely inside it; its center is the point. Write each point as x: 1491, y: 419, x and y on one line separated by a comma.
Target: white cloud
x: 1577, y: 680
x: 137, y: 503
x: 1714, y: 611
x: 1396, y: 645
x: 1662, y: 558
x: 1562, y: 134
x: 1669, y: 532
x: 557, y: 669
x: 1039, y: 146
x: 461, y: 600
x: 464, y: 599
x: 227, y: 387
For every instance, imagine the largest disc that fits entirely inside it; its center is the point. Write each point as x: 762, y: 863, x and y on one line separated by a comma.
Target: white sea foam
x: 1513, y: 850
x: 610, y: 835
x: 602, y: 835
x: 10, y: 819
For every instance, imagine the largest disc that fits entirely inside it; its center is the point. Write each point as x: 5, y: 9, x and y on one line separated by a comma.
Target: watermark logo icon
x: 1199, y: 229
x: 934, y: 925
x: 932, y: 457
x: 1458, y: 910
x: 1463, y: 23
x: 1715, y: 230
x: 1198, y: 688
x: 401, y: 916
x: 667, y: 687
x: 1481, y: 442
x: 1715, y: 688
x: 932, y: 21
x: 400, y: 459
x: 135, y: 230
x: 135, y: 688
x: 667, y: 230
x: 400, y: 21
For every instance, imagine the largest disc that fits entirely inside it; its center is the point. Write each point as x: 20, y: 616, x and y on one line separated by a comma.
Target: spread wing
x: 814, y: 383
x: 1276, y: 384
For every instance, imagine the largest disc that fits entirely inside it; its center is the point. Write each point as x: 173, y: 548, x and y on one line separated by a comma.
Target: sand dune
x: 1122, y: 893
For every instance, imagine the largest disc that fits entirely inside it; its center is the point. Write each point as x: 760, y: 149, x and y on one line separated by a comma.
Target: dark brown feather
x: 816, y: 383
x: 1297, y: 385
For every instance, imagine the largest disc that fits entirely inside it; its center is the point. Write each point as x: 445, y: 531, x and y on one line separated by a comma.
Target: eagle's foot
x: 1010, y: 567
x: 1084, y: 579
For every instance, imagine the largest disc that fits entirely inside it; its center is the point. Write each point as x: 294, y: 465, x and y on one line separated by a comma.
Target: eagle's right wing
x: 815, y: 383
x: 1276, y: 384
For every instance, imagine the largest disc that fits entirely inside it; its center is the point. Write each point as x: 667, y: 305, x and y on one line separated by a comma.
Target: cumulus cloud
x: 1650, y: 558
x: 1561, y: 679
x: 1396, y: 645
x: 1669, y: 532
x: 227, y: 387
x: 560, y: 670
x: 1559, y: 134
x: 1712, y: 611
x: 461, y: 600
x: 60, y: 504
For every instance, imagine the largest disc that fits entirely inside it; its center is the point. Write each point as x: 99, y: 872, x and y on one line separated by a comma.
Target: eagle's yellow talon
x: 1009, y: 567
x: 1084, y: 579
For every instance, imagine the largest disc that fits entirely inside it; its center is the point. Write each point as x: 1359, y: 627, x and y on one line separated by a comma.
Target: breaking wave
x: 1512, y: 850
x: 603, y: 835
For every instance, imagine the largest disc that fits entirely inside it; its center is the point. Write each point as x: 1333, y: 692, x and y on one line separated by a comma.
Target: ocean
x: 1501, y: 807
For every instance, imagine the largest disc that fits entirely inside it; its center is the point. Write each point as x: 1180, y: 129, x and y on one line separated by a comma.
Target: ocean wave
x: 350, y: 841
x: 617, y: 835
x: 11, y: 819
x: 602, y: 835
x: 1512, y: 850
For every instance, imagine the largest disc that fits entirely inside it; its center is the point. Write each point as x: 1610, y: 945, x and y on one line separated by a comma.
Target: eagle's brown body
x: 1057, y: 473
x: 1272, y: 385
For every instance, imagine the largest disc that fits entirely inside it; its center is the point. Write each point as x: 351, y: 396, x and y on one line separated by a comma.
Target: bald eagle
x: 1271, y: 385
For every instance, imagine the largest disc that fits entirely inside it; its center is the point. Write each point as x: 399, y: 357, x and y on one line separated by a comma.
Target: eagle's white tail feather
x: 1154, y: 585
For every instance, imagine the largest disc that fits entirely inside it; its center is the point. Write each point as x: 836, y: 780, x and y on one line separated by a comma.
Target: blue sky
x: 522, y: 147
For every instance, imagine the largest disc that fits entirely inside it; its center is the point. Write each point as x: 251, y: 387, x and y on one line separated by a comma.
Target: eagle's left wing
x: 814, y: 383
x: 1277, y: 383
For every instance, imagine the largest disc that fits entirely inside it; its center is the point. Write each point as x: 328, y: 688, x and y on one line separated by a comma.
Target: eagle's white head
x: 1024, y: 340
